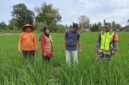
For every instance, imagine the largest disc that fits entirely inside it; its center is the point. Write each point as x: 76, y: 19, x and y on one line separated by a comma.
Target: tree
x: 126, y: 27
x: 128, y: 20
x: 48, y: 15
x: 100, y: 27
x: 12, y: 24
x: 3, y: 26
x: 94, y: 28
x: 22, y: 15
x: 60, y: 28
x: 113, y: 25
x: 83, y: 22
x: 104, y: 21
x: 116, y: 27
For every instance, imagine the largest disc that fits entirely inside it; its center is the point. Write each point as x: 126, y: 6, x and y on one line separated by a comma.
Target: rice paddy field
x: 14, y: 70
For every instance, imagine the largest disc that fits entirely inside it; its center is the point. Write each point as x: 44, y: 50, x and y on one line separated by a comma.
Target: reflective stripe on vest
x: 106, y: 38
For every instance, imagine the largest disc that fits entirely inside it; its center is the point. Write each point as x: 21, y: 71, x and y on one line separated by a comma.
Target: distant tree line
x: 97, y: 27
x: 47, y: 15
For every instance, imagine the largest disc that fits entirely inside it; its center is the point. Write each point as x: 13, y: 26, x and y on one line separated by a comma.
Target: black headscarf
x: 44, y: 30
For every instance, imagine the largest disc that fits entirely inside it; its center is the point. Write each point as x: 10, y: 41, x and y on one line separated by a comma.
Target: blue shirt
x: 71, y: 40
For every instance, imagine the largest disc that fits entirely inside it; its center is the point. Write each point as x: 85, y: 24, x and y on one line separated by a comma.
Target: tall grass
x: 14, y: 70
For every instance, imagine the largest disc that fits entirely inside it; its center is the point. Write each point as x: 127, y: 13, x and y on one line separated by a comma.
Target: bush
x: 60, y: 28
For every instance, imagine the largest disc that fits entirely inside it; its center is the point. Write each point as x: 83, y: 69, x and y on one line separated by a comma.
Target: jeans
x: 70, y: 54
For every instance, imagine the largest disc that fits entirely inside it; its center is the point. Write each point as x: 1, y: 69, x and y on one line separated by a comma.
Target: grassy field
x: 14, y: 70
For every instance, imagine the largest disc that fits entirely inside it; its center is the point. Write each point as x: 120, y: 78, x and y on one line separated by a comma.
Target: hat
x: 75, y: 25
x: 28, y: 25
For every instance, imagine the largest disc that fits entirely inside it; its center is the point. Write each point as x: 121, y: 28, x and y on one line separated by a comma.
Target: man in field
x: 106, y: 44
x: 70, y: 43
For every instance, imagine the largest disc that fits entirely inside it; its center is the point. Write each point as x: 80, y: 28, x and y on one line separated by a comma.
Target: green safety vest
x: 106, y: 38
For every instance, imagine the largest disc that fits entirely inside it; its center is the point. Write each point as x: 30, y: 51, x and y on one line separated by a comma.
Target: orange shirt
x: 27, y: 41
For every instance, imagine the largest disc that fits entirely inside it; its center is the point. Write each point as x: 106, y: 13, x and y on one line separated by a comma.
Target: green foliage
x: 22, y: 15
x: 48, y: 15
x: 99, y: 27
x: 94, y: 28
x: 2, y: 25
x: 14, y: 70
x: 126, y: 28
x: 60, y: 28
x: 116, y: 27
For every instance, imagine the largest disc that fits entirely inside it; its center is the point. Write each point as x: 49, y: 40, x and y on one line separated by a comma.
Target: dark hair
x: 44, y: 31
x: 75, y: 25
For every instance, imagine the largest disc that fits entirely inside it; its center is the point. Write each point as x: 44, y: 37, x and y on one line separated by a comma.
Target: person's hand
x: 63, y: 49
x: 36, y: 51
x: 52, y: 54
x: 97, y: 50
x: 115, y: 49
x: 80, y: 50
x: 19, y: 50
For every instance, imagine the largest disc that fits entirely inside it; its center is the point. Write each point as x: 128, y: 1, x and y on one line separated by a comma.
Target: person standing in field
x: 27, y: 41
x: 70, y: 43
x: 115, y: 43
x: 107, y: 44
x: 46, y: 44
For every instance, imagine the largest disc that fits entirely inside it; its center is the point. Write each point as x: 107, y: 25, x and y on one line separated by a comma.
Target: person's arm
x: 42, y: 42
x: 98, y: 42
x: 64, y: 44
x: 115, y: 41
x: 79, y: 43
x: 52, y: 43
x: 35, y: 43
x: 20, y: 43
x: 64, y: 41
x: 51, y: 46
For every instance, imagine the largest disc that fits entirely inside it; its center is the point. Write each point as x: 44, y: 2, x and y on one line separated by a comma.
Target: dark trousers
x: 29, y: 54
x: 46, y: 58
x: 104, y: 56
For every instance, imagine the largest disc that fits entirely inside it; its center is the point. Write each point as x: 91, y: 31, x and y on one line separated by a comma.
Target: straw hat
x: 28, y: 25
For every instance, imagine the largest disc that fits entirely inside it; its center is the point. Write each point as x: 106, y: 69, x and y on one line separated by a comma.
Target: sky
x: 70, y: 10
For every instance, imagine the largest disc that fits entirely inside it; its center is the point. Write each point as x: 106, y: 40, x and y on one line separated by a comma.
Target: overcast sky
x: 70, y: 10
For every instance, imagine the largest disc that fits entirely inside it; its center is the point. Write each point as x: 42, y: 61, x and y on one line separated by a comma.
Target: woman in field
x: 27, y: 41
x: 46, y: 44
